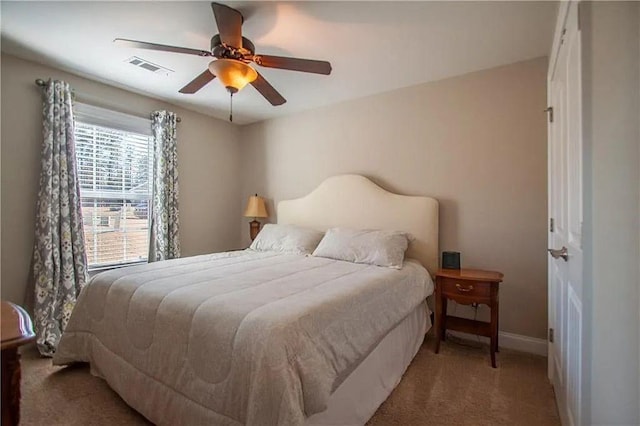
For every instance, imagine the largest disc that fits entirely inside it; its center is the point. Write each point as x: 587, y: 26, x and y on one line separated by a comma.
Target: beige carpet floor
x: 456, y: 387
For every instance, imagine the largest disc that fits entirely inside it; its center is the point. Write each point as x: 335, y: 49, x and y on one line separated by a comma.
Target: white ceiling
x: 373, y: 46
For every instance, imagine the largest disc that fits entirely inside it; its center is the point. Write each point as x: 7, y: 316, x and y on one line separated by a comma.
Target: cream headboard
x: 353, y: 201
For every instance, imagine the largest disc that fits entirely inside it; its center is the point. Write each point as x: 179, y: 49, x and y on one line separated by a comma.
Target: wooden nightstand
x: 468, y: 286
x: 16, y: 330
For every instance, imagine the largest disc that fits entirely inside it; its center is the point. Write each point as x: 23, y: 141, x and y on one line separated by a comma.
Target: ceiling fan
x: 233, y: 53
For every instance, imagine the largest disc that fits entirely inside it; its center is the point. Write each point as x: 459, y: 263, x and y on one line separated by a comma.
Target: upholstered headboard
x: 353, y: 201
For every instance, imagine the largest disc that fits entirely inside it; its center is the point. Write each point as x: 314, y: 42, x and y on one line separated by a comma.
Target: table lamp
x: 255, y: 208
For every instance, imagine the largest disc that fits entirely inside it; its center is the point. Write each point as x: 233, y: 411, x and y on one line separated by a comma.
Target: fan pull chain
x: 231, y: 108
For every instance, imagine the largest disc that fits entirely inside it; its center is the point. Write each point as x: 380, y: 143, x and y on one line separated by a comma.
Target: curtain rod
x: 40, y: 82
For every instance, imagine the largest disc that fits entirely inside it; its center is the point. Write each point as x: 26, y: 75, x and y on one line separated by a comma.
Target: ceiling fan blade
x: 162, y: 47
x: 268, y: 91
x: 293, y: 64
x: 198, y: 83
x: 229, y: 23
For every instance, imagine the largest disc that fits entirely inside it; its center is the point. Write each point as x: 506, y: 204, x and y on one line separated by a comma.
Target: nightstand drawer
x: 465, y: 288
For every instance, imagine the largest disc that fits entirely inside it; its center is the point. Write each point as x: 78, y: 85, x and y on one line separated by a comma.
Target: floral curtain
x: 164, y: 242
x: 59, y: 257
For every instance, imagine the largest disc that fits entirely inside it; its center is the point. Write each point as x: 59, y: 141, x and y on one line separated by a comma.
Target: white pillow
x: 286, y: 239
x: 381, y: 248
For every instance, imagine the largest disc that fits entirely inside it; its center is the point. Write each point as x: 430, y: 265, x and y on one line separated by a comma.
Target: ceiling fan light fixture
x: 233, y: 74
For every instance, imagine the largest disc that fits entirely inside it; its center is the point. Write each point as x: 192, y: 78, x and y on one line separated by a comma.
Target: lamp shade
x: 255, y: 207
x: 233, y: 74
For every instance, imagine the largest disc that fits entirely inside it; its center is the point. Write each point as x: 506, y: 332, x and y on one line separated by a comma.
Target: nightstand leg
x: 443, y: 333
x: 493, y: 358
x: 438, y: 323
x: 494, y: 326
x: 497, y: 323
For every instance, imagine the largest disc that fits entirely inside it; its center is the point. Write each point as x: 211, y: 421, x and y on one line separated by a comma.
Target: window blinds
x: 114, y: 170
x: 91, y: 114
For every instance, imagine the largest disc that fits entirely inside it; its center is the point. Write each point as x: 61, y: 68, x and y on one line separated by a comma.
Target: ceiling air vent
x: 149, y: 66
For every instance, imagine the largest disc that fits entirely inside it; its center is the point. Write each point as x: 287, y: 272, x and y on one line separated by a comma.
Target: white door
x: 565, y: 217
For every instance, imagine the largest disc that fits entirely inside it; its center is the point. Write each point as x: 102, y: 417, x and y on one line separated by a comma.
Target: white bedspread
x: 239, y: 337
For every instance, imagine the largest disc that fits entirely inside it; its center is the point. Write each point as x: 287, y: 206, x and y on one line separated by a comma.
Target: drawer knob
x: 464, y: 289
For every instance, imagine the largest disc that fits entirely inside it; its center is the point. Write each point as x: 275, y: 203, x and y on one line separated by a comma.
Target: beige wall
x: 207, y: 159
x: 611, y: 79
x: 476, y: 142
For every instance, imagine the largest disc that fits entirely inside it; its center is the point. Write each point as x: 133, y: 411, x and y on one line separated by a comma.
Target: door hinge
x: 550, y: 111
x: 551, y: 335
x: 551, y: 225
x: 579, y: 10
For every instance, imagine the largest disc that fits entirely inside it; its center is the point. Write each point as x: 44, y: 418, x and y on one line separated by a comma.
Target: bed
x: 264, y: 338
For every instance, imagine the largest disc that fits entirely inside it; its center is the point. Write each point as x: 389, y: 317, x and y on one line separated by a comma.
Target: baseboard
x: 513, y: 341
x: 522, y: 343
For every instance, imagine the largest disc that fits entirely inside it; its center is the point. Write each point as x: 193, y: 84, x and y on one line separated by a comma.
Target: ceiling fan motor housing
x: 220, y: 51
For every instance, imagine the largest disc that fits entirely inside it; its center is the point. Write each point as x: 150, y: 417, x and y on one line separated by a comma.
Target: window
x: 114, y: 161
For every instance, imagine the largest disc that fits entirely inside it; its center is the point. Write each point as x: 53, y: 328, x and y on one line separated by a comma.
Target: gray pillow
x: 286, y: 239
x: 374, y: 247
